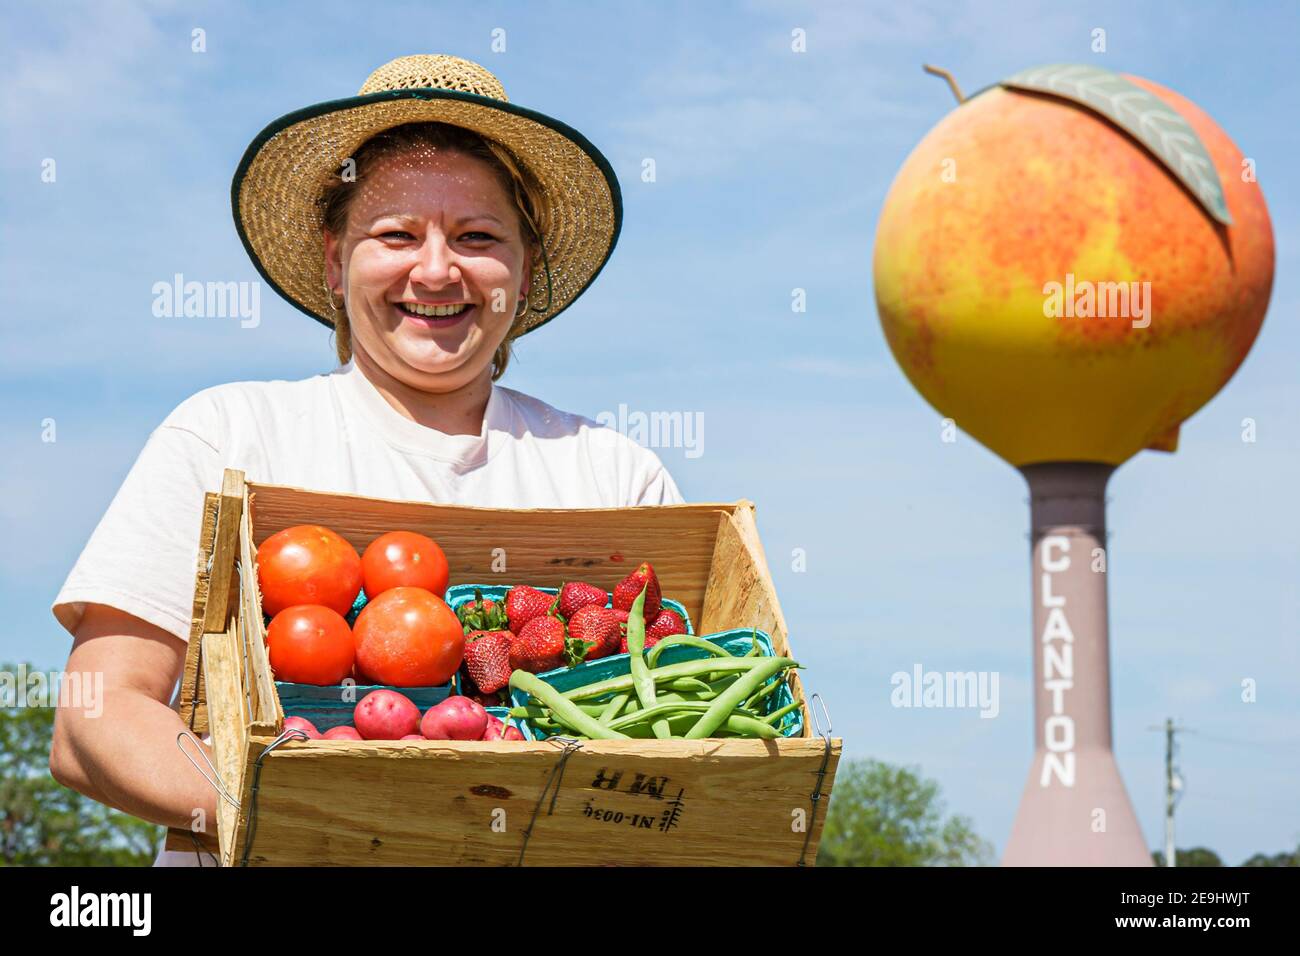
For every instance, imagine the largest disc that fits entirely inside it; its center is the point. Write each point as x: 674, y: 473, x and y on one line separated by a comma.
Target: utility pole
x: 1173, y: 786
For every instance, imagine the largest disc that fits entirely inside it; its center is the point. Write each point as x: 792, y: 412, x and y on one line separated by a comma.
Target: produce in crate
x: 575, y: 595
x: 391, y: 715
x: 666, y: 624
x: 597, y: 630
x: 481, y: 614
x: 456, y: 718
x: 721, y: 695
x: 408, y: 637
x: 303, y: 724
x: 386, y: 715
x: 308, y: 564
x: 403, y: 559
x: 310, y: 644
x: 539, y: 646
x: 487, y: 659
x: 524, y: 603
x: 346, y: 732
x: 643, y: 578
x: 499, y: 730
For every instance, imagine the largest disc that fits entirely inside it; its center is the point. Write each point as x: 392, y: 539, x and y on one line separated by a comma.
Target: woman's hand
x: 121, y: 750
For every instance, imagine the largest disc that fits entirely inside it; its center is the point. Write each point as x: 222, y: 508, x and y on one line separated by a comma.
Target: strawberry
x: 627, y: 590
x: 487, y: 658
x: 579, y: 594
x: 668, y: 622
x: 649, y: 642
x: 539, y: 646
x: 597, y: 629
x: 481, y: 615
x: 524, y: 603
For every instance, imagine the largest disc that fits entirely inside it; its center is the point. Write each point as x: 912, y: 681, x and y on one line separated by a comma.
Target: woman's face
x: 429, y: 228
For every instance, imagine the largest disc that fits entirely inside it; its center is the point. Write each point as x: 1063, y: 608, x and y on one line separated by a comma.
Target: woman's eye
x: 397, y: 233
x: 481, y: 236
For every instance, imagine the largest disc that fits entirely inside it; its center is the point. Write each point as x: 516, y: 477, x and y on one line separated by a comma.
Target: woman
x: 430, y: 224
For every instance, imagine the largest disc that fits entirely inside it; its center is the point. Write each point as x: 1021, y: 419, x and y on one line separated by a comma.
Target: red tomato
x: 310, y: 644
x: 408, y: 637
x: 308, y: 564
x: 404, y: 559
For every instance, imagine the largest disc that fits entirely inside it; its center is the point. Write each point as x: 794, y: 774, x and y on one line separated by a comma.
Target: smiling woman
x: 430, y: 224
x: 410, y: 200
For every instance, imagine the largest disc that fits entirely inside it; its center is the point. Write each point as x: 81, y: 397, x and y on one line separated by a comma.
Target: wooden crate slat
x: 539, y: 546
x: 229, y: 727
x: 736, y: 803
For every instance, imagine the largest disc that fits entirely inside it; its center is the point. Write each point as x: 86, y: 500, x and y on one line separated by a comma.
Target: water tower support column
x: 1074, y: 810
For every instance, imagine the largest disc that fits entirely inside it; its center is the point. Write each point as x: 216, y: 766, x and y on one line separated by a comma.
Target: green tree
x: 1285, y: 858
x: 42, y: 822
x: 1196, y: 856
x: 882, y: 815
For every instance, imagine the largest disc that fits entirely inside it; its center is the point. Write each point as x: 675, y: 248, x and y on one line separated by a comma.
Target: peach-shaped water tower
x: 1069, y: 265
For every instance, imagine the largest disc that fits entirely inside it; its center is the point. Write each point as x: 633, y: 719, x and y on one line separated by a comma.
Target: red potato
x: 456, y: 718
x: 386, y: 715
x: 345, y: 732
x: 496, y: 730
x: 303, y: 724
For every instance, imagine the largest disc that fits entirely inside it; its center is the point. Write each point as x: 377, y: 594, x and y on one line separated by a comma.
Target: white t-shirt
x: 335, y: 432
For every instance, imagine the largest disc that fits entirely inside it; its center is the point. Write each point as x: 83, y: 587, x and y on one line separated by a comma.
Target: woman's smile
x: 428, y: 315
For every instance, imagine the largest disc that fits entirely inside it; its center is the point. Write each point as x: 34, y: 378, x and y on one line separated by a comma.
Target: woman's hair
x: 515, y: 179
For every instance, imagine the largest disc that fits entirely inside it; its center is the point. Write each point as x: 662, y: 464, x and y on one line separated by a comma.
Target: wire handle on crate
x: 291, y: 734
x: 571, y: 746
x: 814, y: 703
x: 215, y: 780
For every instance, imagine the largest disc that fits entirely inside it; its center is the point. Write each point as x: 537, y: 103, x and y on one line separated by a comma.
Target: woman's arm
x: 122, y: 750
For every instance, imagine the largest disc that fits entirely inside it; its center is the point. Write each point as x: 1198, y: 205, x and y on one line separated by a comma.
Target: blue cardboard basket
x: 738, y: 641
x: 459, y: 594
x: 327, y: 707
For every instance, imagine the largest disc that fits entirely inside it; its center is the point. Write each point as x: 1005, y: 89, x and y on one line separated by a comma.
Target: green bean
x: 774, y: 718
x: 736, y: 725
x: 562, y: 709
x: 642, y: 680
x: 682, y: 683
x: 612, y: 709
x: 535, y: 710
x: 763, y: 692
x: 658, y: 711
x: 683, y: 640
x: 745, y: 726
x: 727, y: 701
x: 667, y: 672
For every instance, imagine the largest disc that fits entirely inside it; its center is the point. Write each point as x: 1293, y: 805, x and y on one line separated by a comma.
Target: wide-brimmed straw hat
x: 277, y: 188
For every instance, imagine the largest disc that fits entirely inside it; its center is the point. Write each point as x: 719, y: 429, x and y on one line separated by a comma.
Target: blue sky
x: 771, y: 169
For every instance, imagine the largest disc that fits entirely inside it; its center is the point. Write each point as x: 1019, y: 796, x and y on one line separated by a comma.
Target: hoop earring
x: 329, y: 295
x: 520, y: 313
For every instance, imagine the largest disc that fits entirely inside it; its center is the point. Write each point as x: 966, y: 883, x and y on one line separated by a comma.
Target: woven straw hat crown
x: 276, y: 192
x: 433, y: 70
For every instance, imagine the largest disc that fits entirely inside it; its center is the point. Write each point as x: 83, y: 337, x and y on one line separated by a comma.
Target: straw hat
x: 286, y: 168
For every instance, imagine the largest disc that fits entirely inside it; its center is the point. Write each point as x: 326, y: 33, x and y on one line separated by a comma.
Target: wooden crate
x: 626, y: 802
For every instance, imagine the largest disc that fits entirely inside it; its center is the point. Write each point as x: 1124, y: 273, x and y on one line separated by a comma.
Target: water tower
x: 1069, y: 265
